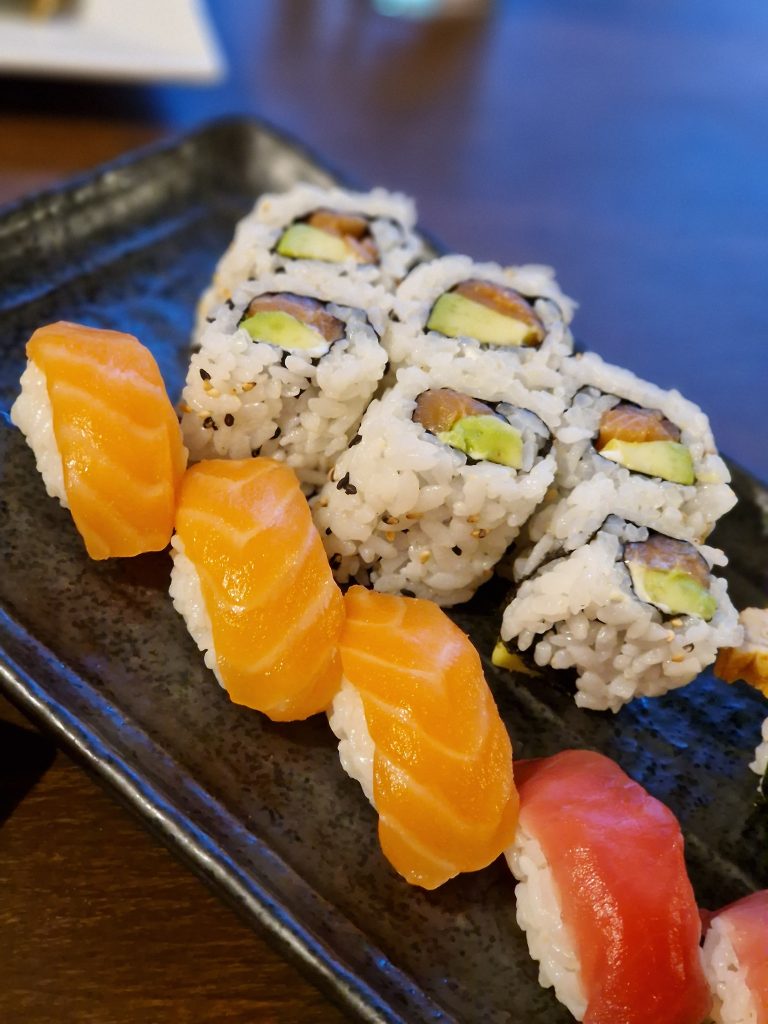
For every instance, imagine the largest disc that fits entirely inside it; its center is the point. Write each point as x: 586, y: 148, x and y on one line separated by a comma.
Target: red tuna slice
x: 616, y: 854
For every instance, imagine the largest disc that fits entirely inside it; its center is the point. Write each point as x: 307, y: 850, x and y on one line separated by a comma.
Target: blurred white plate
x: 113, y: 39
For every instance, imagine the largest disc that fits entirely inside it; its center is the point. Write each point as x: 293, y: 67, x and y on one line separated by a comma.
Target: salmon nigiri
x: 94, y: 410
x: 252, y: 582
x: 736, y: 961
x: 421, y: 733
x: 604, y: 895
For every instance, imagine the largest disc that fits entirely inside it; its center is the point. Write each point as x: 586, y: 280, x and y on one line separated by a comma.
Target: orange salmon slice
x: 442, y: 772
x: 275, y: 612
x: 627, y: 422
x: 117, y: 434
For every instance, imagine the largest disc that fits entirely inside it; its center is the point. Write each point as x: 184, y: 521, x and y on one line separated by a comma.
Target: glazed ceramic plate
x: 95, y: 652
x: 114, y: 40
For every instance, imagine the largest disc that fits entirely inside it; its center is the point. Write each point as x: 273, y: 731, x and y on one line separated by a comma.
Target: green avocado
x: 673, y: 591
x: 666, y: 459
x: 504, y: 658
x: 488, y: 438
x: 459, y: 317
x: 275, y: 327
x: 302, y: 242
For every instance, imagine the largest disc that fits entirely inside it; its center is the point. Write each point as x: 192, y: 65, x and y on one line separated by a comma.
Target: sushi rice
x: 734, y: 1002
x: 760, y: 763
x: 591, y: 487
x: 245, y: 397
x: 580, y: 611
x: 251, y: 254
x: 539, y: 915
x: 410, y: 344
x: 410, y: 513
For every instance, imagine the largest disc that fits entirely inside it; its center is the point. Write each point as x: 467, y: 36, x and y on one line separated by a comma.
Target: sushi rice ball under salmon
x: 94, y: 410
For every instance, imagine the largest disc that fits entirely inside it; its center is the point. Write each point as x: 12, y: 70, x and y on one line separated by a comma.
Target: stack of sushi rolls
x: 604, y: 896
x: 321, y: 233
x: 513, y: 320
x: 736, y: 961
x: 286, y: 369
x: 630, y: 448
x: 634, y: 612
x: 443, y: 471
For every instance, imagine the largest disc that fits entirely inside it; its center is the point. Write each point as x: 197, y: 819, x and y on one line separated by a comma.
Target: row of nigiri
x: 405, y: 691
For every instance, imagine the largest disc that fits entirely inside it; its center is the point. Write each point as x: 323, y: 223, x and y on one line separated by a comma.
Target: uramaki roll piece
x: 95, y: 411
x: 604, y: 897
x: 252, y: 582
x: 421, y: 733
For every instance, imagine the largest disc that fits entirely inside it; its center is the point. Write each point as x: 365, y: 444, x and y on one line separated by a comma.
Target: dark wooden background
x: 623, y: 141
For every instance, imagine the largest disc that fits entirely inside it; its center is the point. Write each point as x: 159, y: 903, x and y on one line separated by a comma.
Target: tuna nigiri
x: 604, y: 896
x: 736, y: 961
x: 94, y: 410
x: 420, y: 731
x: 252, y: 583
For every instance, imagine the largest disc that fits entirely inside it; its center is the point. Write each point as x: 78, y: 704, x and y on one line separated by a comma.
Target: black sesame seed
x: 229, y: 420
x: 255, y: 453
x: 230, y: 304
x: 355, y: 440
x: 456, y: 549
x: 276, y: 434
x: 342, y: 484
x: 210, y: 319
x: 205, y: 375
x: 408, y: 593
x: 327, y: 531
x: 210, y: 423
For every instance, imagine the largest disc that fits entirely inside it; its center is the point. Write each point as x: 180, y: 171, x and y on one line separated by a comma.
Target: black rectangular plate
x: 95, y: 652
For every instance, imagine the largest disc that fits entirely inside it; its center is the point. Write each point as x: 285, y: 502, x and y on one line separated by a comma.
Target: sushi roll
x: 736, y: 961
x: 442, y: 472
x: 628, y: 447
x: 419, y: 730
x: 285, y: 371
x: 634, y: 612
x: 320, y: 233
x: 94, y: 410
x: 603, y: 894
x: 252, y: 584
x: 513, y: 320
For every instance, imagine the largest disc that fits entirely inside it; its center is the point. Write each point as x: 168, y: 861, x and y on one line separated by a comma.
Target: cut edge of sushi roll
x: 33, y: 415
x: 540, y: 916
x: 733, y: 1000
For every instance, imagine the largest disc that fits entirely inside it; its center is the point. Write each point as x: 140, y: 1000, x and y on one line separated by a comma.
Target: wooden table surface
x: 624, y: 142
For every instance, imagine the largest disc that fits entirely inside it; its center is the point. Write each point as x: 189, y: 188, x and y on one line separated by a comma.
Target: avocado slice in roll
x: 469, y: 425
x: 644, y: 441
x: 487, y: 312
x: 672, y: 575
x: 291, y: 322
x: 329, y: 236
